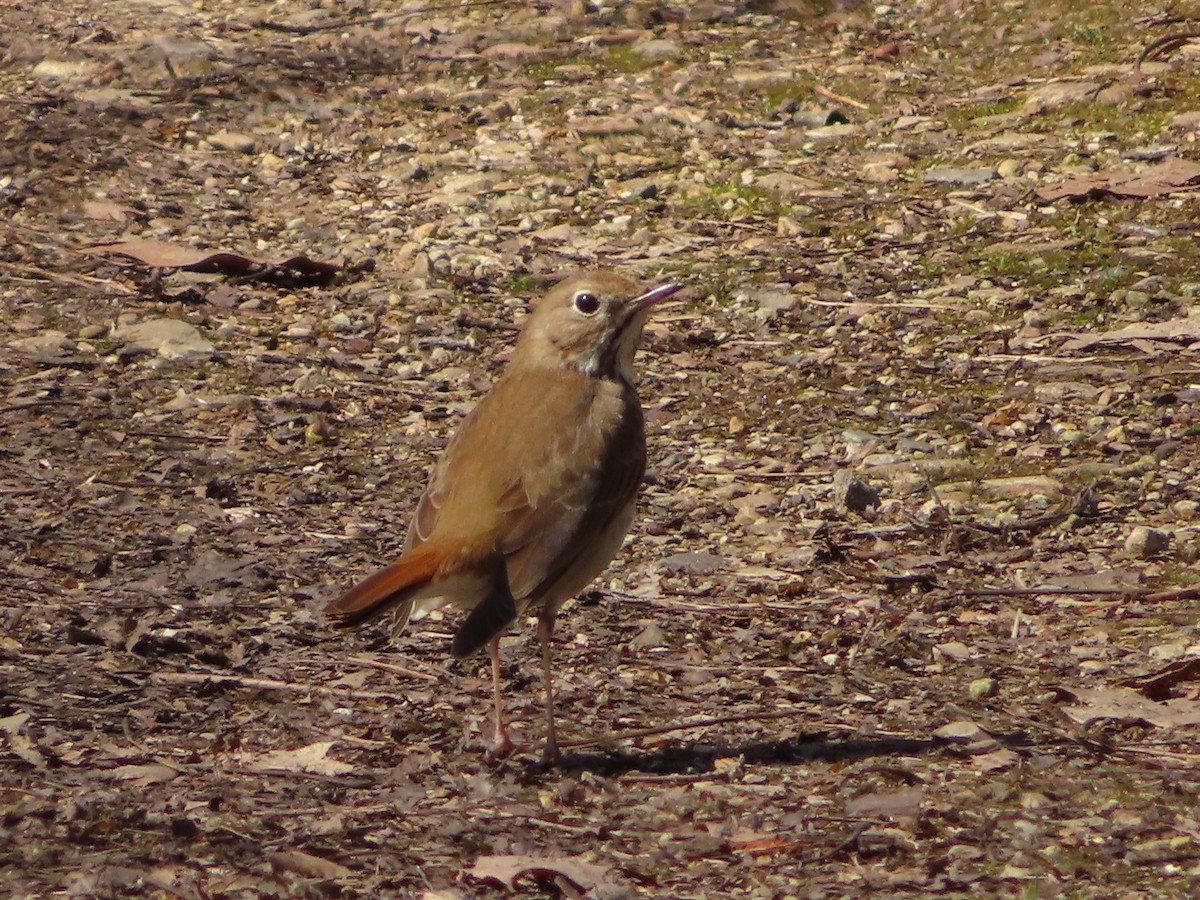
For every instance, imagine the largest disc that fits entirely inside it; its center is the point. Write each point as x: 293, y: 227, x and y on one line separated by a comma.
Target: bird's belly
x: 462, y: 591
x: 590, y: 563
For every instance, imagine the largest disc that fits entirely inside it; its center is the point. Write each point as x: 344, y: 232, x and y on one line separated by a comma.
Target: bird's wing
x: 425, y: 516
x: 530, y: 489
x: 573, y: 488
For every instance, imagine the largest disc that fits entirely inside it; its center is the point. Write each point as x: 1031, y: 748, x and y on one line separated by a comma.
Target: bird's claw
x: 502, y: 746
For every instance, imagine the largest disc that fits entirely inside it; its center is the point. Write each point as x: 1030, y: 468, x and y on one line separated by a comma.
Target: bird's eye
x: 587, y: 303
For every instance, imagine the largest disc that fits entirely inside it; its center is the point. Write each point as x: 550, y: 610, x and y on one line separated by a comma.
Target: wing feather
x: 531, y: 490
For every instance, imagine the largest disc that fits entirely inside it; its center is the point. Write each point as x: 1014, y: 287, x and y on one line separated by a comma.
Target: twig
x: 391, y: 667
x: 1035, y: 524
x: 77, y: 280
x: 1078, y: 739
x: 672, y: 778
x: 866, y: 634
x: 686, y: 726
x: 1161, y: 859
x: 589, y: 828
x: 1186, y: 593
x: 1165, y: 44
x: 748, y: 224
x: 167, y: 435
x: 1037, y: 358
x: 899, y: 304
x: 340, y: 24
x: 847, y: 844
x: 840, y: 98
x: 265, y: 684
x: 1051, y: 591
x: 36, y: 404
x: 715, y: 609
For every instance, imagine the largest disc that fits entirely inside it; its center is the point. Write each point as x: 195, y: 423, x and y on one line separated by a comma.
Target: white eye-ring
x: 587, y: 303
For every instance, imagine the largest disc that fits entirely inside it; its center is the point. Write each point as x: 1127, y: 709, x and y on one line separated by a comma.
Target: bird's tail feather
x: 387, y: 588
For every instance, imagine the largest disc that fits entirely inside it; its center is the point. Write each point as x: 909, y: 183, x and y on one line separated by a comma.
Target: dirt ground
x: 910, y: 605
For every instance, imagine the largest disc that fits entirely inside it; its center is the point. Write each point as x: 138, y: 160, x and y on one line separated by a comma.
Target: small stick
x: 1053, y: 591
x: 391, y: 667
x: 672, y: 778
x: 305, y: 30
x: 685, y: 726
x: 717, y: 609
x: 846, y: 844
x: 266, y: 684
x: 77, y: 280
x: 1185, y: 593
x: 1164, y: 45
x: 38, y: 404
x: 840, y: 98
x: 900, y: 304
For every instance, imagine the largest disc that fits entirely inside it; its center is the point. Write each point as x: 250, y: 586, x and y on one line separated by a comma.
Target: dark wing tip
x: 490, y: 618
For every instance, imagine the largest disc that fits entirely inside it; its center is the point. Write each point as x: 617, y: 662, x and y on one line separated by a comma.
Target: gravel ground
x: 910, y: 604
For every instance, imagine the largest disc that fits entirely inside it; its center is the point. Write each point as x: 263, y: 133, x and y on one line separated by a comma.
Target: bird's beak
x: 654, y: 295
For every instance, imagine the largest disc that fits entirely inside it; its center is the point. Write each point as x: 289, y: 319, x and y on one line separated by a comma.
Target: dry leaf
x: 106, y: 210
x: 1157, y: 685
x: 902, y: 806
x: 507, y: 870
x: 995, y: 761
x: 1169, y: 175
x: 1126, y: 705
x: 1184, y: 331
x: 142, y: 775
x: 307, y: 865
x: 25, y: 749
x: 163, y: 255
x: 18, y: 743
x: 749, y: 841
x: 312, y: 758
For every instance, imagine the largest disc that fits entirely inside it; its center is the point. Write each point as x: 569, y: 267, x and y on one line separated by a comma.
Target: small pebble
x: 232, y: 141
x: 1144, y: 542
x: 91, y: 332
x: 982, y: 688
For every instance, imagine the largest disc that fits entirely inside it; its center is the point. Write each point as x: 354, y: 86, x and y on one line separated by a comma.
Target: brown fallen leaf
x: 902, y: 806
x: 1169, y: 175
x: 507, y: 870
x: 18, y: 743
x: 312, y: 758
x: 1185, y: 330
x: 1126, y: 705
x: 106, y: 211
x: 23, y: 747
x: 748, y: 841
x: 1157, y: 685
x: 144, y: 774
x: 164, y: 255
x: 14, y: 723
x: 996, y: 761
x: 889, y: 50
x: 306, y: 865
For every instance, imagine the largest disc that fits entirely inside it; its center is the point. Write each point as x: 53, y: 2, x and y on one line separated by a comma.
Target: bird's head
x: 590, y: 323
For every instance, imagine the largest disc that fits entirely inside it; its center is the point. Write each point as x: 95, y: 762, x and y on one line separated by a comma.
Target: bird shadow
x: 698, y: 758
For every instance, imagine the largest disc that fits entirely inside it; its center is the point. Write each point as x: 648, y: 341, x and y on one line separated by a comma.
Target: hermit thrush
x: 534, y: 494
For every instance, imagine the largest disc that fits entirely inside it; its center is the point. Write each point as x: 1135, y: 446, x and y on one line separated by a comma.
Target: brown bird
x: 534, y: 494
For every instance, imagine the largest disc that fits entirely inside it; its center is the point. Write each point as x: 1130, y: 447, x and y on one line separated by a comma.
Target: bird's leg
x: 501, y: 744
x: 545, y: 631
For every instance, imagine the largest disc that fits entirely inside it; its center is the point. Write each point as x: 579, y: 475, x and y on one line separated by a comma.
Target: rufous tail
x: 387, y: 588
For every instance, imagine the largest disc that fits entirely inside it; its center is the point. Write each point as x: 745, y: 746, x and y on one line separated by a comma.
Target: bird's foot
x: 502, y: 745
